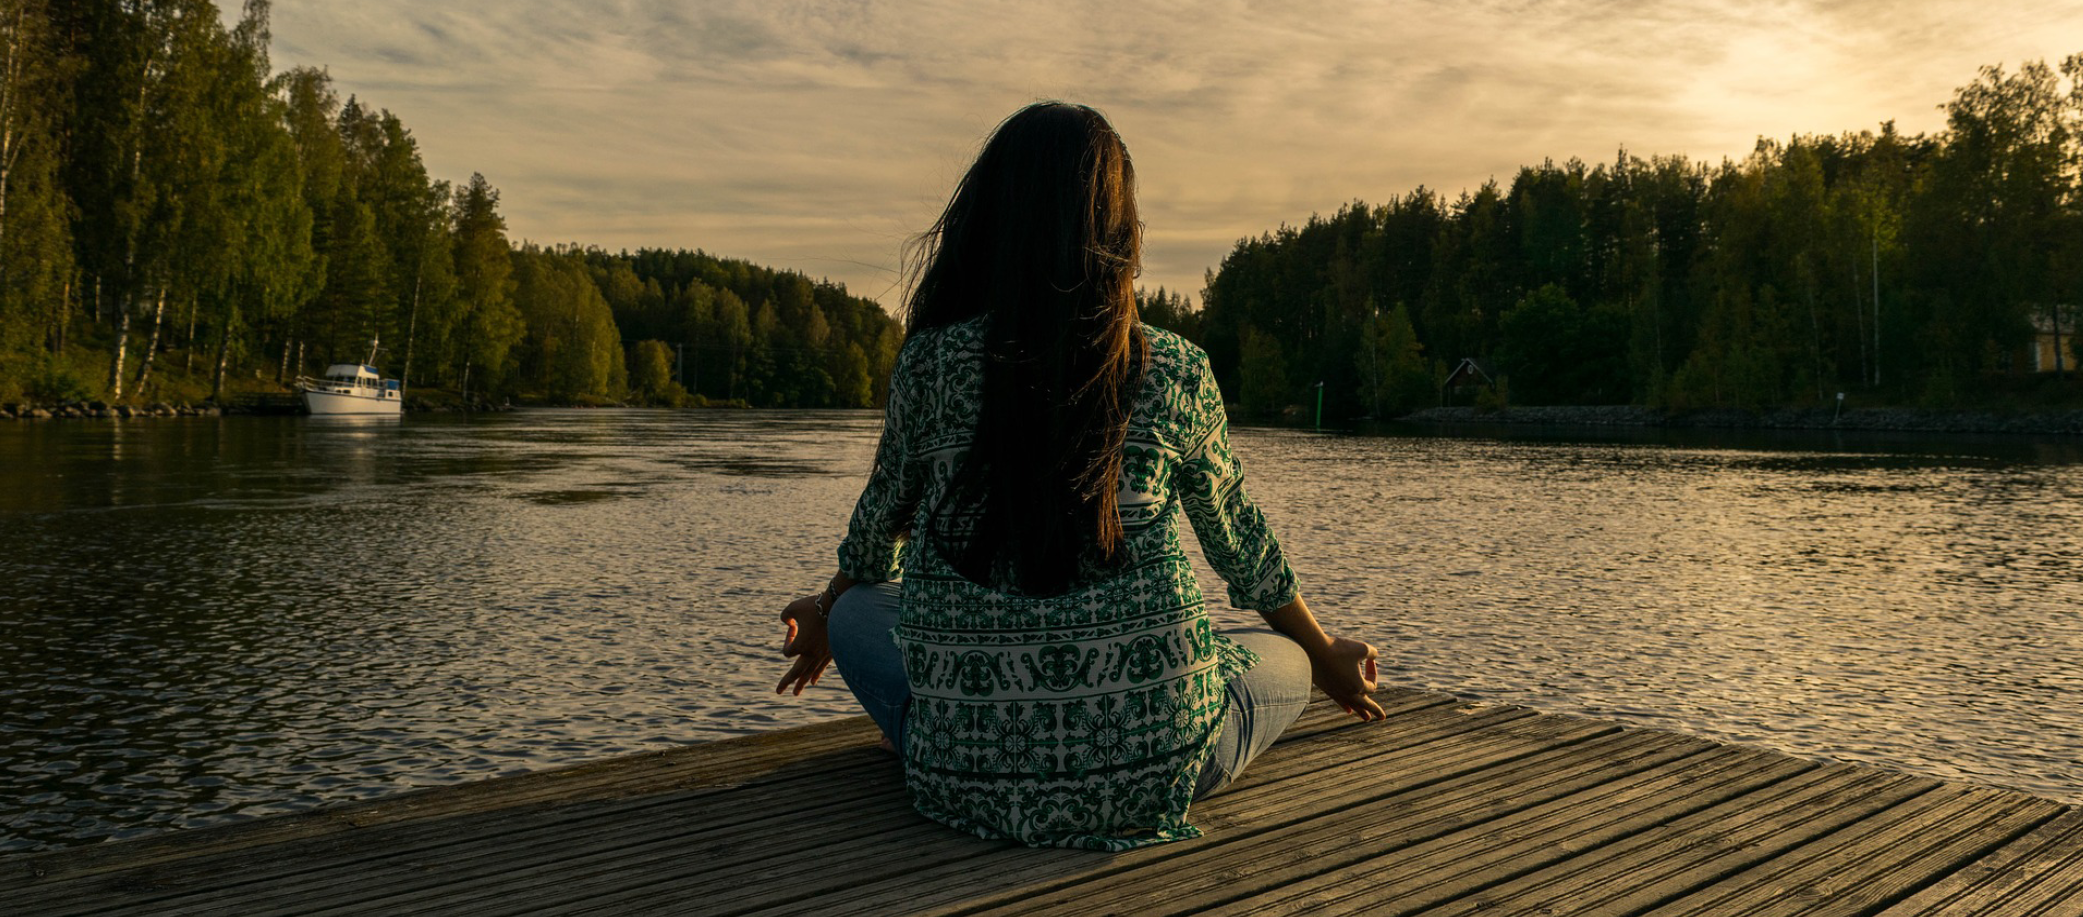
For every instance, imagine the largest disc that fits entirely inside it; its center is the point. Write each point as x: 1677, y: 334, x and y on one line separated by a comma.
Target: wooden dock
x: 1447, y: 808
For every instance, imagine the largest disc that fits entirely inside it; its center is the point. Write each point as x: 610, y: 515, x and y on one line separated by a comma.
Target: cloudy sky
x: 818, y: 136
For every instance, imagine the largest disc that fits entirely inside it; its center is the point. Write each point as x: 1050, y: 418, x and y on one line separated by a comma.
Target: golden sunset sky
x: 818, y: 136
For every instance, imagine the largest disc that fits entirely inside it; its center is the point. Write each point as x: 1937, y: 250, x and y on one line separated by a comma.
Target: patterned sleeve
x: 869, y: 554
x: 1232, y: 532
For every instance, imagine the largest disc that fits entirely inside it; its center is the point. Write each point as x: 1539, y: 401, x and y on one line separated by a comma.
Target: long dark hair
x: 1041, y: 236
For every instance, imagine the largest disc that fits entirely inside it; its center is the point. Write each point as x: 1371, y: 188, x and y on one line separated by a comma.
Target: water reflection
x: 1909, y: 604
x: 209, y: 619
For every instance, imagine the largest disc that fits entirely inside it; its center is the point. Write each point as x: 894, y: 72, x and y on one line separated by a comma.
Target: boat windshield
x: 351, y: 374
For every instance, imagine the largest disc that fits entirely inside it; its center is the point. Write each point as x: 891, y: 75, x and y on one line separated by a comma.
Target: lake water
x: 204, y: 620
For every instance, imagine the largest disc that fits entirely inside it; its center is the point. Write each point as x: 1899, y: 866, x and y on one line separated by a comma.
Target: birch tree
x: 35, y: 242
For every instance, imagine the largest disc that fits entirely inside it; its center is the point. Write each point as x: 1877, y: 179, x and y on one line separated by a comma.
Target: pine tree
x: 487, y: 324
x: 1265, y: 373
x: 310, y: 112
x: 1394, y: 375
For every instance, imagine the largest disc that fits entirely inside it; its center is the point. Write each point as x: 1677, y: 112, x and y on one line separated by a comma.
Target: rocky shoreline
x: 99, y: 410
x: 1903, y: 420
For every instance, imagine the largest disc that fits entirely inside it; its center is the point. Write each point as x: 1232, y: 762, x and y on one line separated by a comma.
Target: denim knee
x: 867, y: 655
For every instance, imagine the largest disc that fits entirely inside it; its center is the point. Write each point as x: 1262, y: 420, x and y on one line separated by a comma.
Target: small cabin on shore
x: 1471, y: 377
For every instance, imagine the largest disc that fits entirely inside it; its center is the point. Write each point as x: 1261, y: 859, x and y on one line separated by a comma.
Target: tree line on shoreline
x: 179, y: 222
x: 1900, y: 269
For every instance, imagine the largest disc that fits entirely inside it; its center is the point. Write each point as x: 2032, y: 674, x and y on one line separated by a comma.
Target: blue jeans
x: 1263, y: 702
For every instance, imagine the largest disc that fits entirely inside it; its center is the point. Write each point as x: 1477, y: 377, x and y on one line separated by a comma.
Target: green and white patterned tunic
x: 1083, y: 719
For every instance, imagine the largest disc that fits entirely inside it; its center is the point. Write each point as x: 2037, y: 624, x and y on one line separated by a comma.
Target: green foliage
x: 1493, y: 398
x: 1558, y: 352
x: 1900, y: 268
x: 572, y: 350
x: 35, y: 232
x: 651, y: 371
x: 852, y: 377
x: 486, y: 323
x: 1173, y: 312
x: 1742, y: 357
x: 1395, y: 377
x: 168, y: 200
x: 1266, y: 387
x: 46, y: 379
x: 769, y: 338
x: 164, y: 193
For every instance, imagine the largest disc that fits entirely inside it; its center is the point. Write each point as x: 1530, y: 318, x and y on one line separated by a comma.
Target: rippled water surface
x: 204, y: 620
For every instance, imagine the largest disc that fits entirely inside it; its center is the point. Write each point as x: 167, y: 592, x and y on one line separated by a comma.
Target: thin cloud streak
x: 819, y: 135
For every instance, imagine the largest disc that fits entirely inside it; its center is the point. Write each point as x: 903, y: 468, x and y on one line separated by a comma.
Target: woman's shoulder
x: 1173, y: 359
x: 927, y: 346
x: 1173, y: 356
x: 1176, y: 384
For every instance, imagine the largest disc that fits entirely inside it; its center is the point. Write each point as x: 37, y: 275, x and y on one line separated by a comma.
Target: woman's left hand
x: 807, y: 642
x: 1345, y: 670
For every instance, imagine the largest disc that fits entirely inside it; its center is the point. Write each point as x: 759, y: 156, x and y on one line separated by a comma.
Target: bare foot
x: 885, y: 744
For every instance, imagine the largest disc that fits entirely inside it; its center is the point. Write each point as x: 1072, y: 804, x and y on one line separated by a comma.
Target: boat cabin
x: 355, y: 379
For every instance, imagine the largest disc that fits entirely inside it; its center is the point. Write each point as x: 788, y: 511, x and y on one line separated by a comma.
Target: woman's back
x: 1053, y: 675
x: 1083, y: 718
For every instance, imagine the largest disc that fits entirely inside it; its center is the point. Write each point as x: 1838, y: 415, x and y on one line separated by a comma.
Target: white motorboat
x: 353, y: 388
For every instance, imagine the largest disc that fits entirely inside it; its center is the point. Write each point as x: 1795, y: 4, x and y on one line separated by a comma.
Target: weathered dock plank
x: 1448, y: 807
x: 1668, y: 861
x: 280, y: 859
x: 2039, y: 873
x: 1282, y: 791
x: 1342, y: 827
x: 1872, y: 861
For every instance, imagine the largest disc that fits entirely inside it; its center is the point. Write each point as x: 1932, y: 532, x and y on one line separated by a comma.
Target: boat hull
x: 335, y: 403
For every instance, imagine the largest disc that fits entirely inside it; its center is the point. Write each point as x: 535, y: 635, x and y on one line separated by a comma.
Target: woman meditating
x: 1046, y: 667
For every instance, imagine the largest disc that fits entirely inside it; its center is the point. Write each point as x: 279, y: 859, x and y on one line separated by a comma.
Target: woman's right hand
x: 1345, y: 670
x: 806, y: 642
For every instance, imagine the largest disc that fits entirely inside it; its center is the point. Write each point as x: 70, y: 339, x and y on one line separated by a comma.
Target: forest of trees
x: 179, y: 221
x: 1898, y: 269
